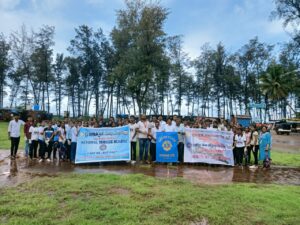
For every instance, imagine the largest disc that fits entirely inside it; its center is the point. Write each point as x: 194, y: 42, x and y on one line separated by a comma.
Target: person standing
x: 181, y: 132
x: 248, y: 147
x: 14, y: 133
x: 34, y: 132
x: 153, y: 133
x: 265, y: 147
x: 74, y: 134
x: 143, y: 128
x: 254, y: 143
x: 41, y: 140
x: 133, y: 134
x: 27, y: 136
x: 169, y: 127
x: 240, y: 143
x: 48, y: 135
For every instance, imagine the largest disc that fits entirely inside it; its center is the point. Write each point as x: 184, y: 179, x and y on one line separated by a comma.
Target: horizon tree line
x: 139, y: 68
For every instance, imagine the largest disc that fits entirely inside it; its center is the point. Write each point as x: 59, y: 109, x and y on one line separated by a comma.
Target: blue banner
x: 166, y: 147
x: 103, y: 144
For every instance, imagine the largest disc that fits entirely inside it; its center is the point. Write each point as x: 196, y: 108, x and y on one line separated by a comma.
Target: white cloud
x: 9, y: 4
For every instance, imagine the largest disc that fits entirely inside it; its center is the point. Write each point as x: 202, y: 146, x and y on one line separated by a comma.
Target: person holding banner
x: 181, y: 132
x: 74, y: 134
x: 133, y: 135
x: 152, y: 135
x: 143, y: 129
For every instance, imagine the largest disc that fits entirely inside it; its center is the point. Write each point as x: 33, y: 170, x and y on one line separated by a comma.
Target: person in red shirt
x: 27, y: 136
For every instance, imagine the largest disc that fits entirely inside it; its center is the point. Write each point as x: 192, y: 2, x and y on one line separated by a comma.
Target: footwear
x: 41, y: 160
x: 48, y: 160
x: 253, y: 167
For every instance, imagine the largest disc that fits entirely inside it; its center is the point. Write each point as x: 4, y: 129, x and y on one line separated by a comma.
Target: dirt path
x: 14, y: 172
x: 286, y: 143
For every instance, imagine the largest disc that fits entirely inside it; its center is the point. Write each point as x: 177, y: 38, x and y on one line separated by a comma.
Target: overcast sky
x: 232, y: 22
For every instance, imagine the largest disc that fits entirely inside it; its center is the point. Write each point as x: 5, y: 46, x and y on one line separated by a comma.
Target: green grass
x: 285, y: 159
x: 138, y: 199
x: 4, y: 141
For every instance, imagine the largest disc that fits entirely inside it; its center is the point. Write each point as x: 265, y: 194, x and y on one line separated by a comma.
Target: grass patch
x: 4, y: 141
x: 285, y: 159
x: 138, y: 199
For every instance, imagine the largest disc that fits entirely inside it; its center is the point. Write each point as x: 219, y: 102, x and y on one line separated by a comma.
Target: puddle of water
x: 14, y: 172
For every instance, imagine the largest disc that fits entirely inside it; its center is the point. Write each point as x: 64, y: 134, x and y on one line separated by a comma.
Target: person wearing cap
x: 14, y: 133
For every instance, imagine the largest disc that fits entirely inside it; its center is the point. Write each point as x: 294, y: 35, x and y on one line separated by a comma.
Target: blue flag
x: 166, y: 147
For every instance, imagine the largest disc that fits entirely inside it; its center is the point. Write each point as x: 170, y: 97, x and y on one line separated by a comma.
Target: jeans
x: 180, y: 152
x: 27, y: 147
x: 133, y: 150
x: 62, y: 151
x: 73, y: 151
x: 153, y: 151
x: 143, y: 148
x: 14, y: 145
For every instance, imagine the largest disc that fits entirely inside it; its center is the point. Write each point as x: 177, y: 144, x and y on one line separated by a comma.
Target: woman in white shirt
x: 240, y: 143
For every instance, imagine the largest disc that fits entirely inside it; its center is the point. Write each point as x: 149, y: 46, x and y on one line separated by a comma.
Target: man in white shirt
x: 14, y: 135
x: 74, y: 133
x: 169, y: 127
x: 143, y: 129
x: 153, y: 133
x: 180, y: 129
x: 133, y: 135
x: 162, y: 123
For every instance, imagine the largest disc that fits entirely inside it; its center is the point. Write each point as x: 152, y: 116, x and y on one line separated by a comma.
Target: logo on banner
x: 167, y: 145
x: 102, y: 147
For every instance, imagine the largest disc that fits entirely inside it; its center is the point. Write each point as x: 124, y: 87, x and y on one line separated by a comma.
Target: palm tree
x: 276, y: 84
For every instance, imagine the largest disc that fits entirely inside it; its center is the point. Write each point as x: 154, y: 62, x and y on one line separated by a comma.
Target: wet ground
x: 286, y: 143
x: 14, y: 172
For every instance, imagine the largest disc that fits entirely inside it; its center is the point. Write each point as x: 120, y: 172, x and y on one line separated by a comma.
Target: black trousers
x: 180, y: 152
x: 255, y: 153
x: 49, y: 149
x: 33, y: 149
x: 133, y: 150
x: 153, y: 151
x: 240, y: 155
x: 235, y: 156
x: 248, y: 155
x: 42, y: 149
x: 14, y: 145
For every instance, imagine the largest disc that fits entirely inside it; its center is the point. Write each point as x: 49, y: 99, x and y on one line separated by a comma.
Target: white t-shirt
x: 14, y: 128
x: 180, y: 129
x: 133, y: 134
x: 34, y: 133
x: 169, y: 128
x: 41, y: 133
x: 74, y: 132
x: 154, y: 130
x: 240, y: 141
x: 143, y: 127
x: 173, y: 123
x: 162, y: 124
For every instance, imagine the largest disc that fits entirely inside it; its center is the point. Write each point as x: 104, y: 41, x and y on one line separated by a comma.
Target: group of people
x: 51, y: 140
